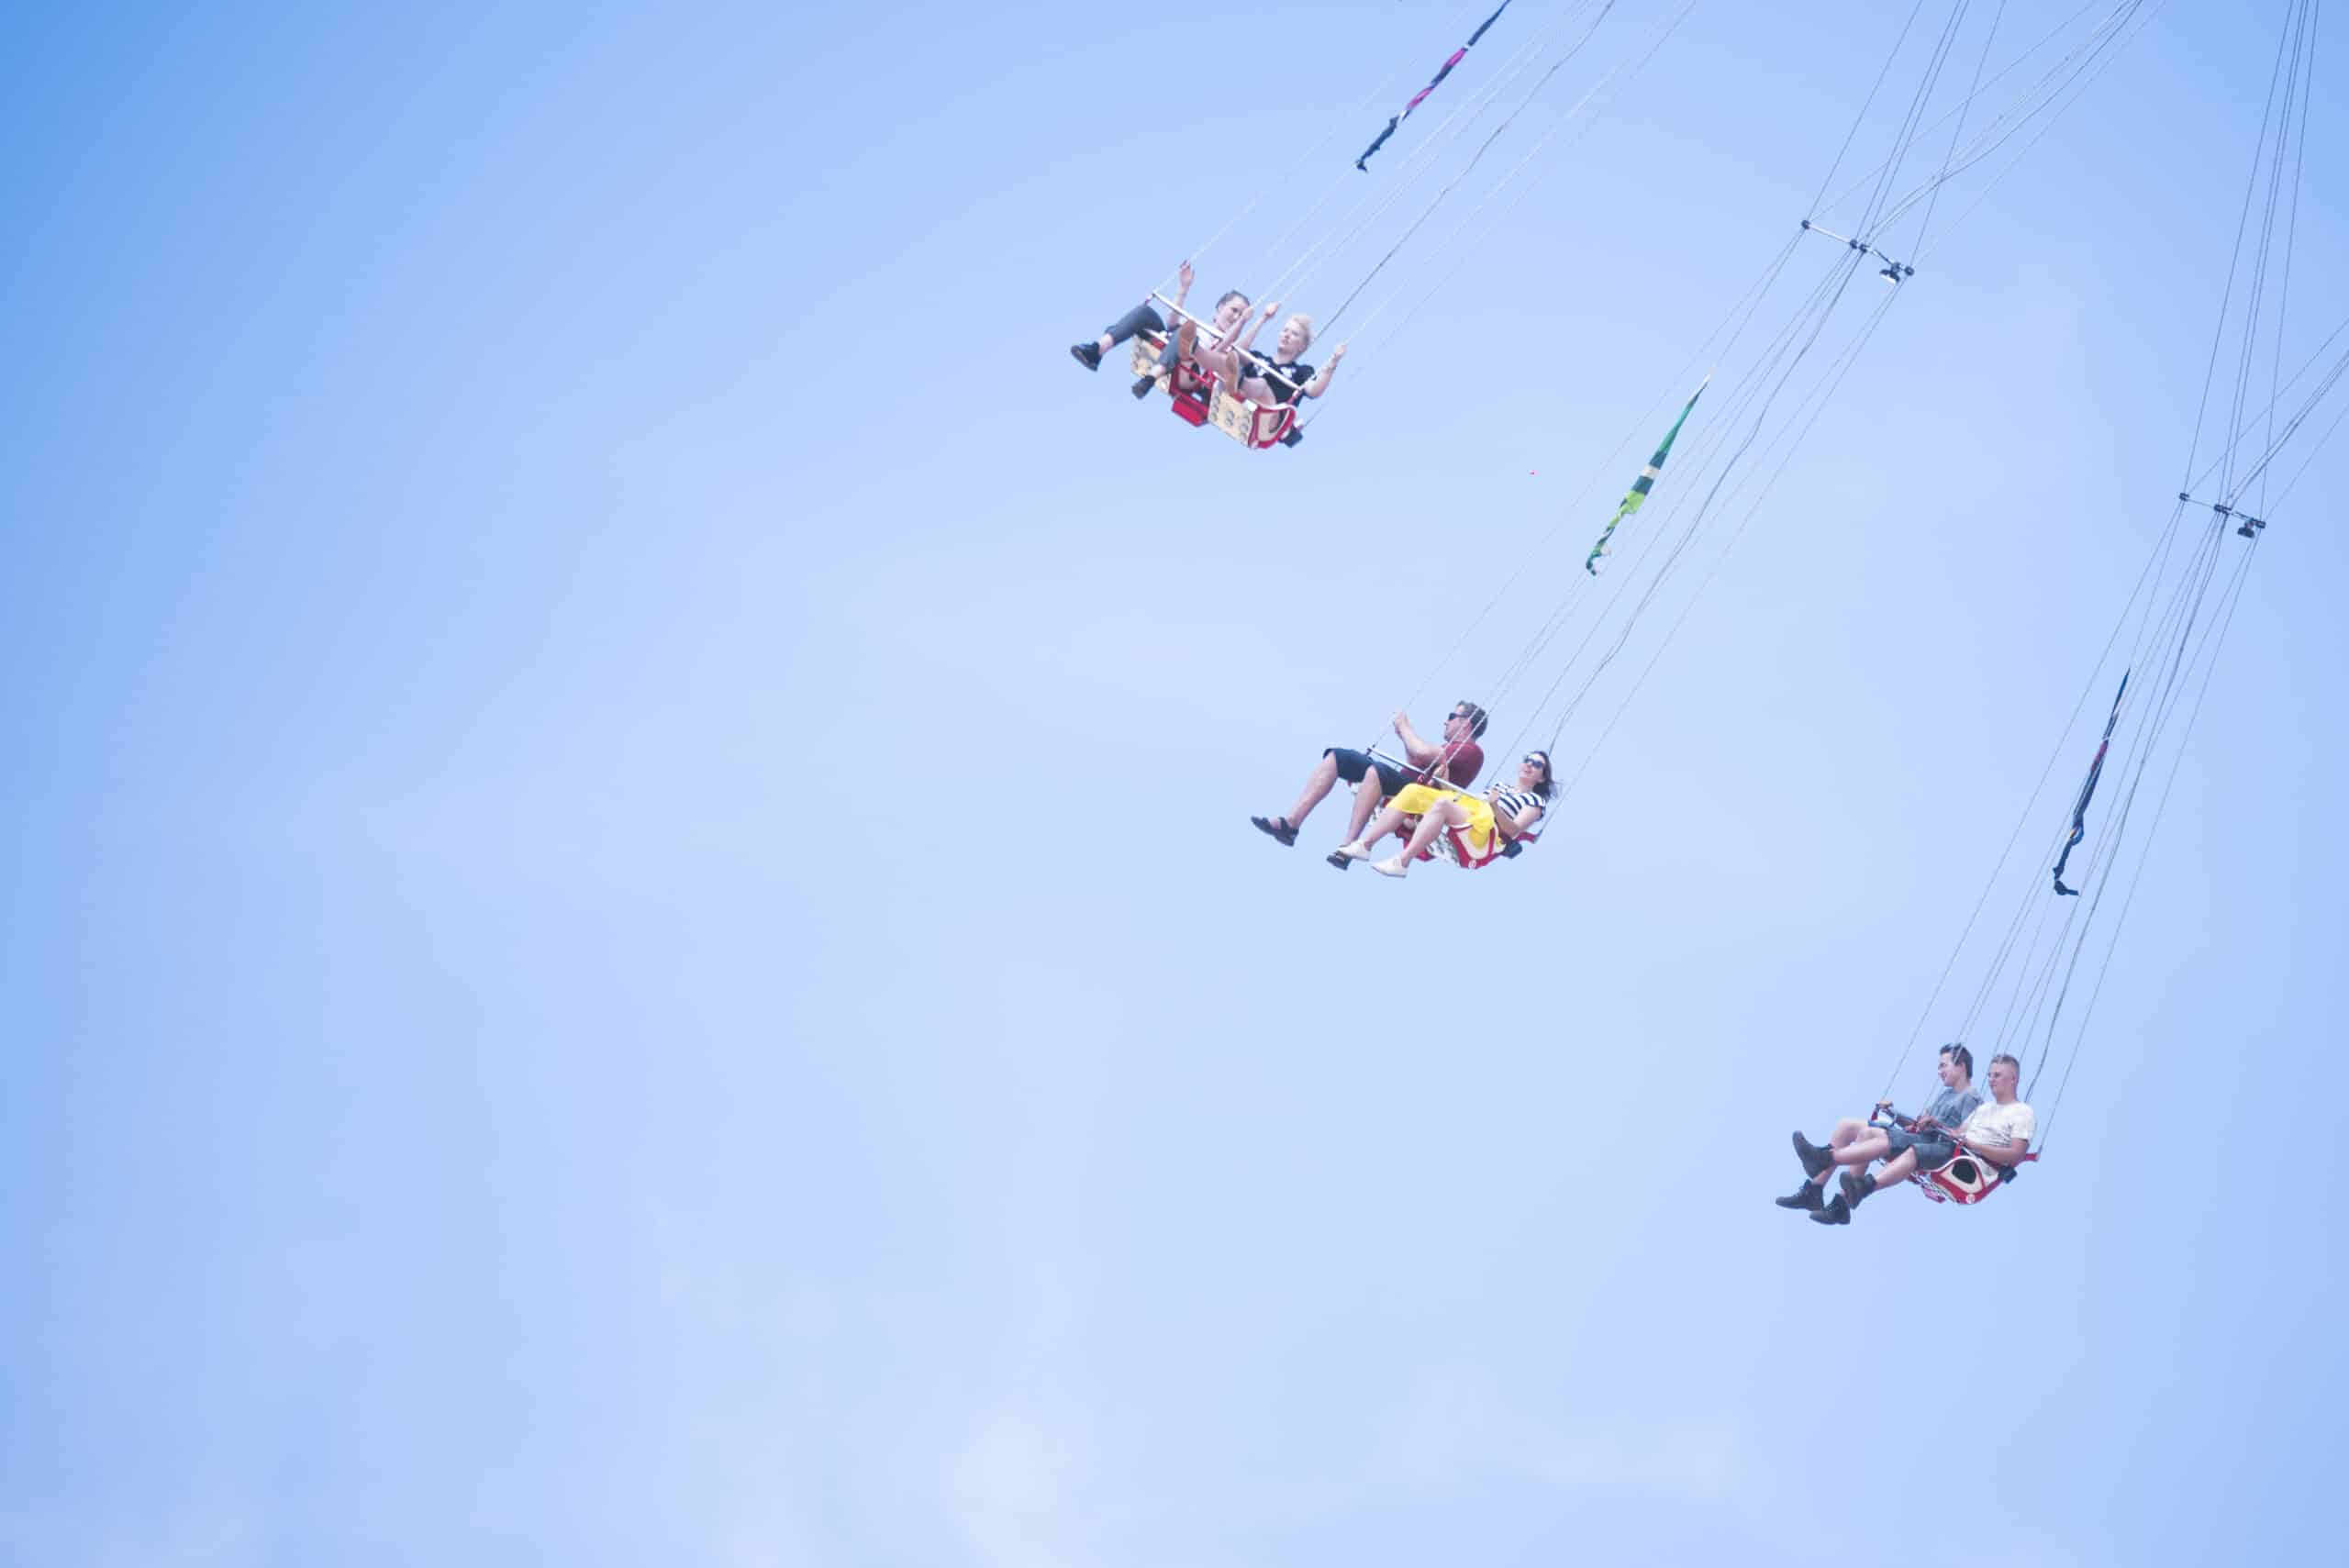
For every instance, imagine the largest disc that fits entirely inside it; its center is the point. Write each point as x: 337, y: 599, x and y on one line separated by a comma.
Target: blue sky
x: 631, y: 932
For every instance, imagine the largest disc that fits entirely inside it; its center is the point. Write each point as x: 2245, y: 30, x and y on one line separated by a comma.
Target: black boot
x: 1086, y: 354
x: 1856, y: 1187
x: 1145, y: 386
x: 1803, y: 1196
x: 1814, y: 1159
x: 1837, y: 1212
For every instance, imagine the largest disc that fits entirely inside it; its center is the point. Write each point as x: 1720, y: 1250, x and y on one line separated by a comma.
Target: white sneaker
x: 1357, y: 850
x: 1391, y: 866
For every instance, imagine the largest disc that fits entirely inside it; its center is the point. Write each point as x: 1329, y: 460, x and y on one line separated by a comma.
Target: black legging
x: 1139, y: 318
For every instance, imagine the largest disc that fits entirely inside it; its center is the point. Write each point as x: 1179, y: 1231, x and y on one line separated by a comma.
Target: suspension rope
x: 1866, y: 104
x: 2165, y: 704
x: 1543, y: 81
x: 1753, y: 405
x: 2035, y: 103
x: 1617, y: 76
x: 1378, y: 94
x: 1740, y: 316
x: 2182, y: 629
x: 2292, y: 231
x: 1373, y: 204
x: 2022, y: 819
x: 1917, y: 246
x: 2137, y: 879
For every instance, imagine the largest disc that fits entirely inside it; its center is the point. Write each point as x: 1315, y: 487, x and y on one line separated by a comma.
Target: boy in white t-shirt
x: 1998, y: 1130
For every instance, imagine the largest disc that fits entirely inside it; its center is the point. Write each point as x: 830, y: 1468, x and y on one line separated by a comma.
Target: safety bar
x: 1263, y: 364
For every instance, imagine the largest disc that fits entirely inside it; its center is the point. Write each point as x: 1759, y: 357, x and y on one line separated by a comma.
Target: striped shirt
x: 1507, y: 802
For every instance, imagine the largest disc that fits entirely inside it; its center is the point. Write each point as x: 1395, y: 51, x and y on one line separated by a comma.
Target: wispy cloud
x: 1014, y: 1491
x: 1024, y: 1485
x: 1455, y: 1427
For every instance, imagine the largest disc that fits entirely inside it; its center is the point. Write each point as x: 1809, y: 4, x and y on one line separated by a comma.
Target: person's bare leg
x: 1317, y: 784
x: 1896, y: 1169
x: 1367, y: 797
x: 1386, y: 822
x: 1217, y: 361
x: 1845, y: 1133
x: 1441, y: 815
x: 1870, y: 1145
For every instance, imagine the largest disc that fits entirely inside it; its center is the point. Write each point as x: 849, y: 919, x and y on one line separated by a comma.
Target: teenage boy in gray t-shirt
x: 1855, y: 1143
x: 1998, y: 1131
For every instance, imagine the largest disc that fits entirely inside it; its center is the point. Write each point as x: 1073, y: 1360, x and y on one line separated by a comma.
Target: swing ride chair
x: 1443, y: 844
x: 1201, y: 398
x: 1967, y: 1177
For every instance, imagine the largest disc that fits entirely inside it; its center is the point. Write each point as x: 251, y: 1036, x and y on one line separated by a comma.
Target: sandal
x: 1278, y: 827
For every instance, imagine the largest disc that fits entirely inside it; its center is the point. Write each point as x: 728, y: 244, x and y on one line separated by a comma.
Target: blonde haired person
x: 1283, y: 378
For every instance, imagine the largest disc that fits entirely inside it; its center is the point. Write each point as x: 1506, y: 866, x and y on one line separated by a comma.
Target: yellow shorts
x: 1477, y: 842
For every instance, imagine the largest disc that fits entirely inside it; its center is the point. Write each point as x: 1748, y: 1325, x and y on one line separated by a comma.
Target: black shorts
x: 1352, y: 765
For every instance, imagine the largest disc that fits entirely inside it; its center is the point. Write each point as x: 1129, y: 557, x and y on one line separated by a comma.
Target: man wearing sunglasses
x: 1926, y: 1140
x: 1454, y: 763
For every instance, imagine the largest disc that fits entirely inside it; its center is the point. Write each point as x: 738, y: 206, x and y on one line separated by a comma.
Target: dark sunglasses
x: 1539, y: 762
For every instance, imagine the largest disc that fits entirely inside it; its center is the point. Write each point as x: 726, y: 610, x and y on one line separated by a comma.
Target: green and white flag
x: 1646, y: 481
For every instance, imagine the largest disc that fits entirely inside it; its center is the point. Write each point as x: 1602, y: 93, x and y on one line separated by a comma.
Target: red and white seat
x: 1201, y: 398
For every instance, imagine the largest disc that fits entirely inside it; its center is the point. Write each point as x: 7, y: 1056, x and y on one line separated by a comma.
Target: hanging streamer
x: 1646, y: 481
x: 2087, y: 791
x: 1458, y: 55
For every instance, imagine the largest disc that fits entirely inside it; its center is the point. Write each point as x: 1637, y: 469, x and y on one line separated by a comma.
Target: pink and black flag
x: 2087, y: 791
x: 1420, y: 97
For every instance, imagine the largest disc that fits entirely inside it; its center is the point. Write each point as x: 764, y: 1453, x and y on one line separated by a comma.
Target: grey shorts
x: 1933, y: 1149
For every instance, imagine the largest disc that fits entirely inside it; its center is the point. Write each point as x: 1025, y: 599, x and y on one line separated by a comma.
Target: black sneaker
x: 1086, y: 354
x: 1292, y: 436
x: 1837, y: 1212
x: 1855, y: 1188
x: 1145, y: 386
x: 1803, y: 1196
x: 1814, y: 1159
